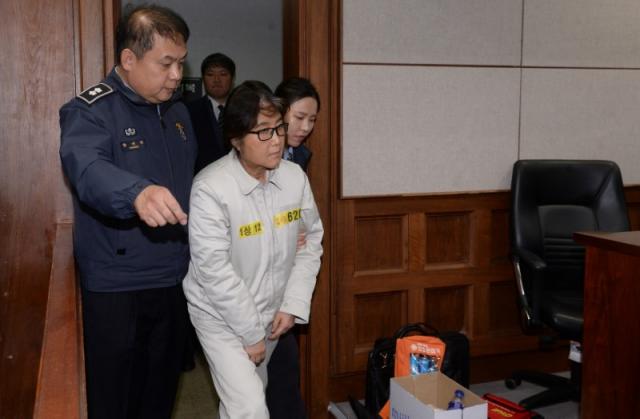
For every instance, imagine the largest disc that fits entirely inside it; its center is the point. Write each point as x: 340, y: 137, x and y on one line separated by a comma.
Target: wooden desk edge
x: 627, y: 242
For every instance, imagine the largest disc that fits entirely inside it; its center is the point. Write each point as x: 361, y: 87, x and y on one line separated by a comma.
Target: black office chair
x: 550, y: 200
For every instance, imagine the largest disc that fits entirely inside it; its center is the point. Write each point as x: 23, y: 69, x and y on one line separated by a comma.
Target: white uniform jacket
x: 242, y: 235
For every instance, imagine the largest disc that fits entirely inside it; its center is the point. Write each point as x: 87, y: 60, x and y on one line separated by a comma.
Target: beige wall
x: 444, y: 95
x: 248, y: 31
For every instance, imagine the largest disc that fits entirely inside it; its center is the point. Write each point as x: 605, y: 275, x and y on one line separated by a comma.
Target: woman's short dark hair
x: 243, y: 106
x: 295, y: 88
x: 138, y: 25
x: 218, y: 59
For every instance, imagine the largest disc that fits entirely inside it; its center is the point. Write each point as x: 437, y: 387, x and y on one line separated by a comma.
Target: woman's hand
x: 282, y: 322
x: 257, y: 352
x: 302, y: 240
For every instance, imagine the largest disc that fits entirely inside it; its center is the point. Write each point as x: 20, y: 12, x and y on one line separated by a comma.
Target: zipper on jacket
x: 167, y: 153
x: 160, y: 116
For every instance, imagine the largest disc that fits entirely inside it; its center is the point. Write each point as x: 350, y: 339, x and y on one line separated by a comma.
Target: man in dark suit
x: 207, y: 113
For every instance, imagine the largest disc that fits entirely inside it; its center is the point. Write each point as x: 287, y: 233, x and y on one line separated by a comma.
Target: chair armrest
x: 529, y: 316
x: 530, y: 259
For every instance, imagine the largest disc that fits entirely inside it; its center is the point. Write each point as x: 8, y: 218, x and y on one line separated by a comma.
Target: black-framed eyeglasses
x: 265, y: 134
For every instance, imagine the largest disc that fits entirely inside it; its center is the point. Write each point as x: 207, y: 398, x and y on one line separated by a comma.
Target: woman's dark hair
x: 296, y: 88
x: 218, y: 59
x: 243, y: 106
x: 138, y: 25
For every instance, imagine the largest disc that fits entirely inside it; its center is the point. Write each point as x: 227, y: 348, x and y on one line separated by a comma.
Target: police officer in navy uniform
x: 128, y: 151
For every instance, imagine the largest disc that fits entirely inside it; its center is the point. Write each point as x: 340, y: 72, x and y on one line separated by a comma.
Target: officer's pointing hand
x: 156, y: 206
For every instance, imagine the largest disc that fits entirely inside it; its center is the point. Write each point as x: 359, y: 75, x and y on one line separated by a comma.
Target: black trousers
x: 284, y: 399
x: 133, y: 351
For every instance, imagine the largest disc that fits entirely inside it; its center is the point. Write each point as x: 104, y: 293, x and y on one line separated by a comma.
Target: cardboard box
x: 427, y: 396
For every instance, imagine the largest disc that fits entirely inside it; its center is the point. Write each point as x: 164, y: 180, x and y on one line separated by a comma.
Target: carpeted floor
x: 567, y: 410
x: 196, y: 398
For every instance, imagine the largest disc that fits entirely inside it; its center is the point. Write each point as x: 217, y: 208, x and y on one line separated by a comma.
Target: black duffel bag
x: 381, y: 362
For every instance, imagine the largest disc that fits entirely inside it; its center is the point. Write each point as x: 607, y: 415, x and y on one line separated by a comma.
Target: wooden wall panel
x: 499, y: 237
x: 502, y: 307
x: 458, y: 277
x: 480, y: 317
x: 446, y: 308
x: 445, y: 280
x: 381, y: 244
x: 448, y: 240
x: 376, y: 315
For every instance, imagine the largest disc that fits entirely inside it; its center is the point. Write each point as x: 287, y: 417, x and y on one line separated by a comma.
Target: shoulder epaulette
x: 94, y: 93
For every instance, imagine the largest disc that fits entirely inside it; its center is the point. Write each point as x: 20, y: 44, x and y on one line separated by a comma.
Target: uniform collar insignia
x: 93, y: 93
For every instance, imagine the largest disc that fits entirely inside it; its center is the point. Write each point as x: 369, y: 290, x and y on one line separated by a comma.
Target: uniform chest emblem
x: 180, y: 129
x: 130, y: 132
x: 132, y: 145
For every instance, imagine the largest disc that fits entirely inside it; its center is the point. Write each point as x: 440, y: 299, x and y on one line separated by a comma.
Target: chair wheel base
x: 512, y: 383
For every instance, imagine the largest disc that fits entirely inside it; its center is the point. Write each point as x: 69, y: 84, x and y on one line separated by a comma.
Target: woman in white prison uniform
x: 248, y: 280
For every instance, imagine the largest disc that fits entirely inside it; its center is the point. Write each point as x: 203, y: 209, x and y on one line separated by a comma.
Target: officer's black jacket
x: 113, y: 145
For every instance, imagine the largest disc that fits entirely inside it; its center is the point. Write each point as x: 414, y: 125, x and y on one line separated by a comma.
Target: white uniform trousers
x: 239, y: 382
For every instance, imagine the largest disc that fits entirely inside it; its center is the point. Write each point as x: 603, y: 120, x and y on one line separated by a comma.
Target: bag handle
x: 420, y: 327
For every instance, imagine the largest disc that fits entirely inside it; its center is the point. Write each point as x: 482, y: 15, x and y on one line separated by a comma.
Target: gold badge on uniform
x: 132, y: 145
x: 180, y: 128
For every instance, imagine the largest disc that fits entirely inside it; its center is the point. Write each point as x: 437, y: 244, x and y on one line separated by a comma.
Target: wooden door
x: 51, y: 49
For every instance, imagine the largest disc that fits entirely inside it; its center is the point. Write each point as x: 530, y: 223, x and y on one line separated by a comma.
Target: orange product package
x: 418, y: 355
x: 415, y: 355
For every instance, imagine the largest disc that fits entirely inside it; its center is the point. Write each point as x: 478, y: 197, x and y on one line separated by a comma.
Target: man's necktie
x: 220, y: 115
x: 289, y: 154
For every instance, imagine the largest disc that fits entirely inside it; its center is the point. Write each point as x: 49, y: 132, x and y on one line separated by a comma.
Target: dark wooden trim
x: 320, y: 35
x: 60, y: 391
x: 293, y: 18
x: 111, y: 10
x: 90, y: 41
x: 311, y: 49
